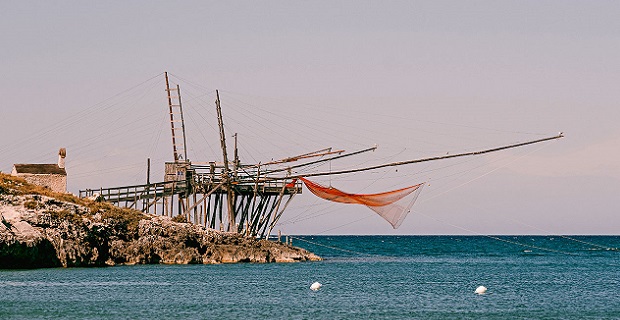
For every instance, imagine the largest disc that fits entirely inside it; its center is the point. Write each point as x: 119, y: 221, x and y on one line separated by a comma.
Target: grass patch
x: 123, y: 219
x: 18, y: 186
x: 31, y: 205
x: 66, y: 215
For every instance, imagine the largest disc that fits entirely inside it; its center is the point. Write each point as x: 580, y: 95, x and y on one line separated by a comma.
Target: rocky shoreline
x: 40, y: 229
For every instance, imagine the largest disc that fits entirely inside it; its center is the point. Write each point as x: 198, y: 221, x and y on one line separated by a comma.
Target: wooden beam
x: 204, y: 197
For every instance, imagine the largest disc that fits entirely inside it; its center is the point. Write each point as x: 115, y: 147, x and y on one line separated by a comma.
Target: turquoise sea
x: 363, y: 277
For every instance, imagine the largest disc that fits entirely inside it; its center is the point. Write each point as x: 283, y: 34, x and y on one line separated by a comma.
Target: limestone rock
x: 40, y: 231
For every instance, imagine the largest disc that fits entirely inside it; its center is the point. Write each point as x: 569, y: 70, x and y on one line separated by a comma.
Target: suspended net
x: 392, y: 206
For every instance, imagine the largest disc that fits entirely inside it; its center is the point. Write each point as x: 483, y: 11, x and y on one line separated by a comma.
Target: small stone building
x: 52, y: 176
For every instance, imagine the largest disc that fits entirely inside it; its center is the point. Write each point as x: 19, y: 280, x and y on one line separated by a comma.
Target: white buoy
x: 481, y: 290
x: 315, y: 286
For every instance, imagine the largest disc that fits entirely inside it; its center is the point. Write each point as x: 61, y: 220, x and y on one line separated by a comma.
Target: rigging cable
x: 567, y: 237
x: 74, y: 118
x: 494, y: 237
x: 338, y: 249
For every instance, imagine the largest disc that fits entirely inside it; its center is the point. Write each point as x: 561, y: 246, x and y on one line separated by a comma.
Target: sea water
x: 363, y: 277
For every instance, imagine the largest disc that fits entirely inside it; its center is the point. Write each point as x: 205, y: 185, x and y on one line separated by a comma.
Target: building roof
x: 40, y: 169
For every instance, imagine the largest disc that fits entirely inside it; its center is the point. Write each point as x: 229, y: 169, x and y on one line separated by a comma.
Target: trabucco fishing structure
x: 250, y: 198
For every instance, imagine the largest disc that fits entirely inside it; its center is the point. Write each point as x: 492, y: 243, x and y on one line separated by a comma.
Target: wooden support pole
x: 227, y: 176
x: 279, y: 214
x: 182, y: 123
x: 204, y: 197
x: 179, y: 205
x: 196, y: 203
x: 236, y: 158
x: 264, y: 222
x: 221, y: 206
x: 274, y: 212
x: 264, y: 211
x: 209, y: 221
x: 174, y: 143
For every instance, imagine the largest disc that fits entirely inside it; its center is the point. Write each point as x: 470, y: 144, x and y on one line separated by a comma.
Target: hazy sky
x: 418, y: 78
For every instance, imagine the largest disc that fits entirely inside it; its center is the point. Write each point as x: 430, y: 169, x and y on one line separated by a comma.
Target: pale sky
x: 418, y: 78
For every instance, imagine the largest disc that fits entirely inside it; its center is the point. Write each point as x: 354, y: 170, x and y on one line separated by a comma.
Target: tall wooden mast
x: 176, y: 109
x: 227, y: 175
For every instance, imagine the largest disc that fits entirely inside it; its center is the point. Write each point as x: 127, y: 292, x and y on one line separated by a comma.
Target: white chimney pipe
x: 62, y: 153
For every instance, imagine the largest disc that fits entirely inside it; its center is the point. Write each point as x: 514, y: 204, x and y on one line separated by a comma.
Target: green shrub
x: 125, y: 219
x: 32, y: 205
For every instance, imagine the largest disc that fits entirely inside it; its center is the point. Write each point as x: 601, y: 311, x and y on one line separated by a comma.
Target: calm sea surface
x: 378, y: 277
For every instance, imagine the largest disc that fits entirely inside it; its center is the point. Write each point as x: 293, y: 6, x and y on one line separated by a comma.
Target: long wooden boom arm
x: 400, y: 163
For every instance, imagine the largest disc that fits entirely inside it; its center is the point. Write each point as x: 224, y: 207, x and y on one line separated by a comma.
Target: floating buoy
x: 481, y: 290
x: 315, y: 286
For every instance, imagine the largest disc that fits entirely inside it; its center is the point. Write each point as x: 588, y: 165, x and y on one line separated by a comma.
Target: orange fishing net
x: 392, y: 206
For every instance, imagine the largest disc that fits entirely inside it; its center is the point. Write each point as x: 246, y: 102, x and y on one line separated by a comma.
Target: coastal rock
x: 41, y: 230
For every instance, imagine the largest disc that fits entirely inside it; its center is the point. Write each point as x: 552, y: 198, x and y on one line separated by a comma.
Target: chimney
x: 62, y: 153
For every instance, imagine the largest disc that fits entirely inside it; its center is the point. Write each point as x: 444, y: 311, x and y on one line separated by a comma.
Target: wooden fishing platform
x: 202, y: 198
x: 227, y: 196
